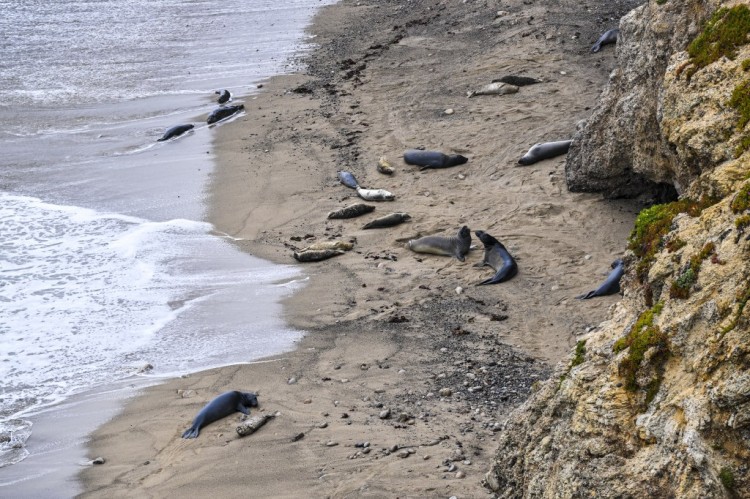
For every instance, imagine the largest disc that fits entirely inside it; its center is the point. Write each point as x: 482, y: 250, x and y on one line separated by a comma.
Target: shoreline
x: 385, y: 328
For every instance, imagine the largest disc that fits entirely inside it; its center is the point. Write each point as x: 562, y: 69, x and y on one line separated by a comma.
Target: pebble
x: 404, y: 453
x: 385, y: 414
x: 331, y: 444
x: 444, y: 350
x: 307, y: 401
x: 323, y: 425
x: 345, y: 380
x: 291, y: 381
x: 459, y: 290
x: 460, y: 474
x: 99, y: 460
x: 446, y: 392
x: 452, y: 467
x: 185, y: 393
x: 449, y: 111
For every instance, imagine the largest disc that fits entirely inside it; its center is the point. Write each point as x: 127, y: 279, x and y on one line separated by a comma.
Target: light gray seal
x: 611, y: 285
x: 223, y: 112
x: 546, y: 150
x: 375, y: 194
x: 388, y: 221
x: 225, y: 404
x: 497, y: 257
x: 351, y: 211
x: 457, y: 245
x: 175, y: 131
x: 347, y: 178
x: 607, y: 38
x: 433, y: 159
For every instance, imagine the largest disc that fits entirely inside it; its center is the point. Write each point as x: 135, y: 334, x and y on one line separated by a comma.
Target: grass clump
x: 580, y: 353
x: 743, y: 146
x: 723, y: 34
x: 654, y: 223
x: 742, y: 223
x: 661, y: 2
x: 680, y: 288
x: 742, y: 298
x: 642, y: 336
x: 740, y: 101
x: 675, y: 244
x: 741, y: 201
x: 745, y: 64
x: 727, y: 477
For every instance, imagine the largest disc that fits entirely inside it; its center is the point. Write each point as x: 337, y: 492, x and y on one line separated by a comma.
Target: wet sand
x: 389, y: 330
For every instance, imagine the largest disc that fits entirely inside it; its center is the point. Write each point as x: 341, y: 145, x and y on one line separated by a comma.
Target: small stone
x: 385, y: 414
x: 403, y: 454
x: 459, y: 290
x: 467, y: 462
x: 366, y: 450
x: 331, y: 443
x: 587, y: 257
x: 345, y: 380
x: 323, y: 425
x: 460, y: 474
x: 443, y: 350
x: 291, y: 381
x: 307, y: 401
x: 99, y: 460
x: 426, y: 457
x: 449, y: 111
x: 451, y: 468
x: 446, y: 392
x: 393, y: 448
x: 563, y: 73
x: 298, y: 437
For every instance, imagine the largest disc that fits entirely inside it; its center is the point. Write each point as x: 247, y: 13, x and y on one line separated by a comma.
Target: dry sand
x: 387, y: 328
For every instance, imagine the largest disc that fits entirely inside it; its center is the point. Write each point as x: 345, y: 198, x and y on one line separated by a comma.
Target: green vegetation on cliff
x: 741, y: 201
x: 723, y: 34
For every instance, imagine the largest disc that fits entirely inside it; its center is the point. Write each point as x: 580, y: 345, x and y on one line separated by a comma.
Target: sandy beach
x: 407, y: 368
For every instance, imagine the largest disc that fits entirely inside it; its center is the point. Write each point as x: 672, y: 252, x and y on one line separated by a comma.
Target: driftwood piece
x: 251, y: 425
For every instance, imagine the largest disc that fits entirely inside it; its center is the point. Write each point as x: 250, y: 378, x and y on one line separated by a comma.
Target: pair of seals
x: 223, y: 112
x: 607, y: 38
x: 609, y: 286
x: 222, y: 406
x: 457, y: 246
x: 351, y: 211
x: 388, y: 221
x: 547, y: 150
x: 497, y: 257
x: 224, y: 96
x: 175, y: 131
x: 433, y: 159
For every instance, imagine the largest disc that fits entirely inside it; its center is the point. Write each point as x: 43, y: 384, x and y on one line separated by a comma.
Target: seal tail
x: 586, y: 296
x: 191, y: 432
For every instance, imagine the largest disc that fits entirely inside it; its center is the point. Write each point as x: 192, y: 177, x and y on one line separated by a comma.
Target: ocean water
x: 106, y: 263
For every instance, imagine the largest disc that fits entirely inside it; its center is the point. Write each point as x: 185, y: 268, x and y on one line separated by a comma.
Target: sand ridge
x: 389, y: 329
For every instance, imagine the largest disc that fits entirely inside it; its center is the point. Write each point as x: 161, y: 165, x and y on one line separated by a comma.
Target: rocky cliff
x: 655, y: 402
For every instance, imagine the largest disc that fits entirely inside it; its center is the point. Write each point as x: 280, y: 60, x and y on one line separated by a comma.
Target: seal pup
x: 324, y: 245
x: 545, y: 150
x: 496, y: 88
x: 351, y: 211
x: 225, y: 404
x: 384, y: 166
x: 497, y: 257
x: 224, y: 96
x: 223, y: 112
x: 347, y: 179
x: 457, y: 245
x: 175, y: 131
x: 388, y: 221
x: 607, y: 38
x: 609, y: 286
x: 519, y: 81
x: 375, y: 194
x: 433, y: 159
x: 316, y: 255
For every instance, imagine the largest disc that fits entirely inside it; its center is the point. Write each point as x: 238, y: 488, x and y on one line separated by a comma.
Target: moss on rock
x: 724, y: 33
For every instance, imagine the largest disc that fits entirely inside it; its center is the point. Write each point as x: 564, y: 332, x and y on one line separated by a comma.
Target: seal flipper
x: 191, y: 432
x: 244, y: 410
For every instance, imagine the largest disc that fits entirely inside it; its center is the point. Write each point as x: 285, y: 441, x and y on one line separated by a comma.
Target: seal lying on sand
x: 387, y: 221
x: 324, y: 245
x: 224, y: 96
x: 497, y: 257
x: 348, y: 179
x: 220, y: 407
x: 496, y: 88
x: 223, y: 112
x: 375, y: 194
x: 457, y: 245
x: 351, y: 211
x: 384, y: 166
x: 175, y: 131
x: 433, y: 159
x: 518, y: 81
x: 546, y: 150
x: 316, y: 255
x: 607, y: 38
x: 611, y: 285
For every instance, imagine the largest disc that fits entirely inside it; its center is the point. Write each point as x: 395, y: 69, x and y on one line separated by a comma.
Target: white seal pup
x: 375, y: 194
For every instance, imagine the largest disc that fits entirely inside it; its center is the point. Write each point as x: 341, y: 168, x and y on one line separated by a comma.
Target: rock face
x: 619, y: 150
x: 656, y: 400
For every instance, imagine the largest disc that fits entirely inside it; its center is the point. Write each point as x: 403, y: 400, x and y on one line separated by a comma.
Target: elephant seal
x: 316, y: 255
x: 496, y: 88
x: 222, y: 406
x: 375, y: 194
x: 607, y: 38
x: 175, y: 131
x: 348, y: 179
x: 497, y: 257
x: 351, y: 211
x: 433, y: 159
x: 518, y: 81
x: 545, y: 150
x: 384, y: 166
x: 457, y: 245
x: 324, y: 245
x: 223, y: 112
x: 224, y: 96
x: 609, y: 286
x: 387, y: 221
